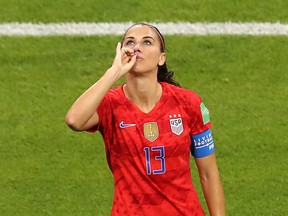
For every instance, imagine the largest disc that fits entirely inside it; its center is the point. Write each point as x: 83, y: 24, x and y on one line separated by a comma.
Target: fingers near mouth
x: 130, y: 53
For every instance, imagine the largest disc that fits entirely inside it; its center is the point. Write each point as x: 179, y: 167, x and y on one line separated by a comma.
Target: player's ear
x: 162, y: 59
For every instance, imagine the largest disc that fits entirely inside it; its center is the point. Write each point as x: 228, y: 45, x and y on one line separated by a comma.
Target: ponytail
x: 166, y: 76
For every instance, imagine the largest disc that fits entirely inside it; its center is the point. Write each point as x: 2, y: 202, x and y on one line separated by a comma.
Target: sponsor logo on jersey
x: 123, y: 125
x: 151, y: 131
x: 176, y: 124
x: 205, y: 113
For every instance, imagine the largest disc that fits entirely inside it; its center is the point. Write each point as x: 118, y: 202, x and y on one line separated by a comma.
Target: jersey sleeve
x: 102, y: 112
x: 202, y: 143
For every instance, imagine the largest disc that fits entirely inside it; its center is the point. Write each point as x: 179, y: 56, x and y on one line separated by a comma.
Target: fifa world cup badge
x: 176, y: 124
x: 151, y: 131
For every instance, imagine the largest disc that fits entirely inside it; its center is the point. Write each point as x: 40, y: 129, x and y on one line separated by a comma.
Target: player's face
x: 145, y: 43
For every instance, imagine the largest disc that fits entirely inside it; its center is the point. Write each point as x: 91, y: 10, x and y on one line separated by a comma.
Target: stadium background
x: 46, y: 169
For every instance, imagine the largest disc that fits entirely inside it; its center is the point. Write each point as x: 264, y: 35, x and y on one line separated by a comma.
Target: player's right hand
x: 124, y: 60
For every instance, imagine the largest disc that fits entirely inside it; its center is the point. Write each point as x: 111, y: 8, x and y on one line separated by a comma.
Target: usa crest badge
x: 176, y: 124
x: 151, y: 131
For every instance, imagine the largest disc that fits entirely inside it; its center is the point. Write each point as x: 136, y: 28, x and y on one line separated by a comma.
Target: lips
x: 139, y: 57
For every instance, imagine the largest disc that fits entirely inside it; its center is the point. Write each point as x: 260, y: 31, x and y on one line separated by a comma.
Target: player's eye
x: 147, y: 42
x: 129, y: 42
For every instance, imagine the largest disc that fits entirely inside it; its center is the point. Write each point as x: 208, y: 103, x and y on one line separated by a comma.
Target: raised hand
x: 124, y: 60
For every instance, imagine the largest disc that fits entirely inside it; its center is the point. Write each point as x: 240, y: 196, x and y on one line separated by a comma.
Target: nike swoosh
x: 122, y: 125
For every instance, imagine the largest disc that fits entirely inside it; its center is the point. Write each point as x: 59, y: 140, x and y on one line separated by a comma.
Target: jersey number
x: 160, y: 157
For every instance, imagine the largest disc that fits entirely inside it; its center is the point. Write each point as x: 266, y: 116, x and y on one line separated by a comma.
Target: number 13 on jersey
x: 160, y: 157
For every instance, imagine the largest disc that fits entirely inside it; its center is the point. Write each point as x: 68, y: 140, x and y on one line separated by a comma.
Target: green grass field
x: 47, y: 169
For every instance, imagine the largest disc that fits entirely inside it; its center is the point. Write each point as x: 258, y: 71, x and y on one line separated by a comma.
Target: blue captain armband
x: 202, y: 144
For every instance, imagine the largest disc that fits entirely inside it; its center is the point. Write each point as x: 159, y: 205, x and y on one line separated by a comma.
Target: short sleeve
x: 102, y: 111
x: 202, y: 143
x: 200, y: 116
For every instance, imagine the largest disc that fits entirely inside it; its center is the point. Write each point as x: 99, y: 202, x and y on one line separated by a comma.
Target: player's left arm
x: 211, y: 184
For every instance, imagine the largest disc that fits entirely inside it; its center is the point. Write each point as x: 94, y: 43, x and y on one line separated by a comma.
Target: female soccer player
x: 150, y: 125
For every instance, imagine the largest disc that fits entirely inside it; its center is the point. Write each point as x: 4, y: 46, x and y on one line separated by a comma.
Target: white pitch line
x: 169, y: 28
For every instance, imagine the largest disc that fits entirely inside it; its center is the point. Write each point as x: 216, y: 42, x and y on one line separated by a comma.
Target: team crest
x: 151, y: 131
x: 176, y: 124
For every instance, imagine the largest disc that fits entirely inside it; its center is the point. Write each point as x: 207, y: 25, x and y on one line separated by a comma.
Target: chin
x: 137, y: 69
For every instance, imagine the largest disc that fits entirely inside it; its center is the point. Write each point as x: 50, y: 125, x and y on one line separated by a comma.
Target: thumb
x: 128, y: 66
x: 133, y: 60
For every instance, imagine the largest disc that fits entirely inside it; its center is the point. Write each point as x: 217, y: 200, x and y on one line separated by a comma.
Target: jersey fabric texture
x: 149, y: 153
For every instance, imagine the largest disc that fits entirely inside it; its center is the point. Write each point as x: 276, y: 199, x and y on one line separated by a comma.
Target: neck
x: 144, y: 93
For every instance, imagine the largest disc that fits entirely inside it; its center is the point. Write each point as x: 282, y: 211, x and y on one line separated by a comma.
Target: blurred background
x: 47, y: 169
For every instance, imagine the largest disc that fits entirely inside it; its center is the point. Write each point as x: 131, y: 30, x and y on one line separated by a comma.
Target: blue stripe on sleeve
x: 202, y: 144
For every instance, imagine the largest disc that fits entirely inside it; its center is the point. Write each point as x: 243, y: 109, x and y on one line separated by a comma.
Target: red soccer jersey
x: 149, y: 154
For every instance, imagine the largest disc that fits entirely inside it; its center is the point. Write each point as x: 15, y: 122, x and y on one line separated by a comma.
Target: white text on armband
x: 202, y: 144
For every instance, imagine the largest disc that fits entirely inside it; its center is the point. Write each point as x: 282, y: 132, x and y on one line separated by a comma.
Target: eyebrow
x: 145, y: 37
